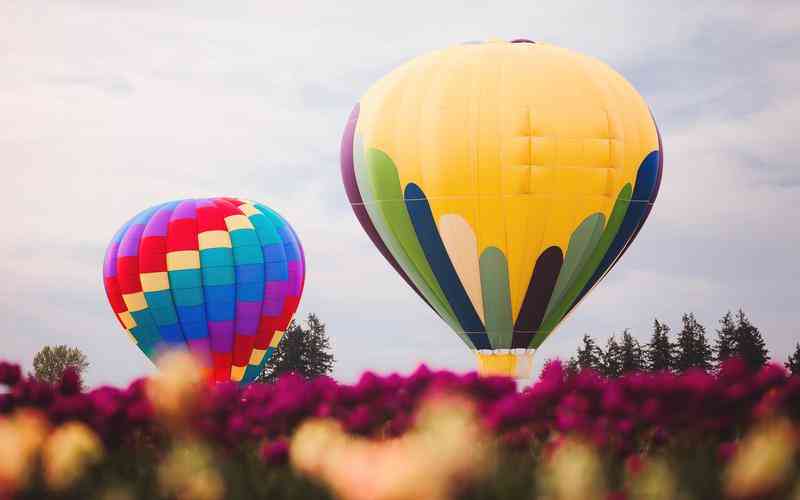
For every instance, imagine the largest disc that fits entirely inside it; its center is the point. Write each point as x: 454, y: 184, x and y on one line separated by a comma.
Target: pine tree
x: 631, y: 355
x: 660, y: 352
x: 572, y: 366
x: 612, y: 358
x: 692, y: 346
x: 589, y: 356
x: 793, y: 364
x: 304, y: 351
x: 726, y: 345
x: 750, y: 345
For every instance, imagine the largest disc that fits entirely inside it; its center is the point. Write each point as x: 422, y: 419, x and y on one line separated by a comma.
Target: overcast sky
x: 107, y: 107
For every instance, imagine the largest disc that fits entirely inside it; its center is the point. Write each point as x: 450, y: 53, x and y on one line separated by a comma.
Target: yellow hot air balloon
x: 502, y: 180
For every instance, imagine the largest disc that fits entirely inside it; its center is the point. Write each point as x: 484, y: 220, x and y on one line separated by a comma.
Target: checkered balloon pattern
x: 221, y: 277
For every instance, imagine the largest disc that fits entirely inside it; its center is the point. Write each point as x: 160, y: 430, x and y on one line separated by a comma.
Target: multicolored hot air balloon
x: 219, y: 276
x: 502, y: 180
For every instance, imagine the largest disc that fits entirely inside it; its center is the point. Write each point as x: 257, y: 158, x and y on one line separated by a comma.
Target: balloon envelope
x: 221, y: 277
x: 502, y: 181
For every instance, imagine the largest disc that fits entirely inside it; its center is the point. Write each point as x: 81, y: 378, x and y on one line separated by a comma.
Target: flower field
x: 430, y: 435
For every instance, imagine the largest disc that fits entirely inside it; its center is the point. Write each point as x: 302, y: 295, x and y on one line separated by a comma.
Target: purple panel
x: 346, y: 157
x: 205, y: 202
x: 295, y: 279
x: 185, y: 210
x: 129, y: 247
x: 221, y: 333
x: 248, y: 314
x: 157, y: 225
x: 110, y: 261
x: 274, y: 296
x: 202, y: 350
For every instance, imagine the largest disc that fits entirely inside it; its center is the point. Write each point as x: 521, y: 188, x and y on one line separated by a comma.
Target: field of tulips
x: 429, y: 435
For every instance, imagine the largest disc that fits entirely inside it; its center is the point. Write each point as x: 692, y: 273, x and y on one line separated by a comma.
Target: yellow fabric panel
x: 214, y: 239
x: 154, y: 282
x: 234, y: 222
x: 276, y: 339
x: 248, y: 209
x: 135, y: 301
x: 127, y: 320
x: 256, y: 356
x: 183, y: 259
x: 237, y: 372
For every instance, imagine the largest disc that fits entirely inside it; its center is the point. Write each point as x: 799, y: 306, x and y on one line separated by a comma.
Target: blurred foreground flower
x: 188, y: 473
x: 21, y: 437
x: 444, y: 449
x: 175, y: 389
x: 763, y: 460
x: 68, y: 452
x: 574, y: 472
x: 655, y: 481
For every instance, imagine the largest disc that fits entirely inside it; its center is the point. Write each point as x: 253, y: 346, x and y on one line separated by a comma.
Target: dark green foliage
x: 589, y: 355
x: 793, y: 364
x: 612, y: 358
x: 304, y: 351
x: 660, y: 351
x: 725, y: 346
x: 693, y: 350
x: 50, y: 362
x: 750, y: 345
x: 631, y: 354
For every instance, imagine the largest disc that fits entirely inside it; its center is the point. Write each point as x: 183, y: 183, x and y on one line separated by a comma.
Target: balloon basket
x: 516, y: 363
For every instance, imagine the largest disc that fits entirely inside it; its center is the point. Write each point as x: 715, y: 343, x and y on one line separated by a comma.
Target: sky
x: 111, y: 106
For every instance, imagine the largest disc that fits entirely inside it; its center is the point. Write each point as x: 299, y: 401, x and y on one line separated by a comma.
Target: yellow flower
x: 313, y: 443
x: 175, y: 390
x: 188, y: 473
x: 574, y: 472
x: 656, y: 481
x: 763, y: 460
x: 21, y: 437
x: 446, y: 447
x: 67, y: 453
x: 117, y: 493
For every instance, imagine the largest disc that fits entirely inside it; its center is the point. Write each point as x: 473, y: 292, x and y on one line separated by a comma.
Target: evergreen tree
x: 631, y: 355
x: 725, y: 346
x: 793, y: 364
x: 589, y: 355
x: 49, y: 363
x: 612, y: 358
x: 572, y: 366
x: 693, y: 350
x: 660, y: 352
x: 750, y: 345
x: 304, y: 351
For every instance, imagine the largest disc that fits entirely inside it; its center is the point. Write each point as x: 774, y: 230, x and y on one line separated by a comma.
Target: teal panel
x: 186, y: 278
x: 158, y: 299
x: 164, y: 315
x: 251, y: 254
x: 188, y: 297
x: 214, y: 257
x: 218, y: 276
x: 243, y: 237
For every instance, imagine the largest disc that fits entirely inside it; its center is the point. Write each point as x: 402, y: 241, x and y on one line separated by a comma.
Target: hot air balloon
x: 502, y: 181
x: 221, y: 277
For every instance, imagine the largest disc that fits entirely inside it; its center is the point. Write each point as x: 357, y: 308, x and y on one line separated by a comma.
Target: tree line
x: 736, y: 336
